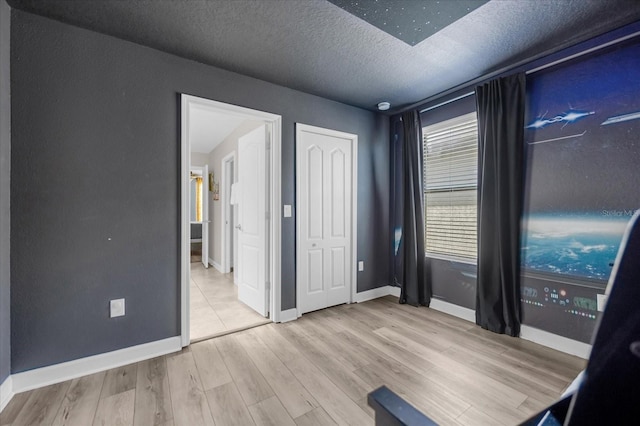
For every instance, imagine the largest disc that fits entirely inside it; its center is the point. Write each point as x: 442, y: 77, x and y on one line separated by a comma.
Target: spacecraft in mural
x: 583, y: 187
x: 582, y: 136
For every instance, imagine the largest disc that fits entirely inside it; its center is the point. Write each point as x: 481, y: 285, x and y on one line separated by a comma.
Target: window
x: 450, y: 150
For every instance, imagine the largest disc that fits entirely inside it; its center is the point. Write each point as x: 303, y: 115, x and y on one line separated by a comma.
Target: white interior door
x: 324, y: 217
x: 230, y: 223
x: 252, y: 220
x: 205, y: 216
x: 227, y: 223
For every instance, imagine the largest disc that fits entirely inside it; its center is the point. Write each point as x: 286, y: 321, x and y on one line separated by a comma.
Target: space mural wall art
x: 582, y: 184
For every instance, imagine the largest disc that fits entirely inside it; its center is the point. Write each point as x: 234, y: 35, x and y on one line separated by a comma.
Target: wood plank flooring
x: 317, y: 371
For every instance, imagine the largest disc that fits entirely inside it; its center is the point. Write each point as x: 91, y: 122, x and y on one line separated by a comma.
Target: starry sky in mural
x: 411, y: 21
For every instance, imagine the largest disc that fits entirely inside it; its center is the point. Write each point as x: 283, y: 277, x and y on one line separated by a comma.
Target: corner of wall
x: 5, y: 200
x: 374, y: 293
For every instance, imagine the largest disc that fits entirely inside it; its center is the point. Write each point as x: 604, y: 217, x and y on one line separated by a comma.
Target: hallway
x: 215, y: 309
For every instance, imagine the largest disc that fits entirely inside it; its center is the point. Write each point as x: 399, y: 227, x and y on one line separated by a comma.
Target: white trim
x: 216, y: 265
x: 452, y: 309
x: 289, y: 315
x: 300, y: 127
x: 275, y: 170
x: 374, y: 293
x: 6, y: 392
x: 57, y: 373
x: 185, y: 255
x: 354, y: 220
x: 544, y: 338
x: 553, y: 341
x: 274, y: 123
x: 532, y: 334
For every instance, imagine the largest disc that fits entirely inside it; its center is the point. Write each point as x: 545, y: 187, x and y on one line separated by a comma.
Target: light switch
x: 361, y: 266
x: 117, y: 308
x: 287, y: 210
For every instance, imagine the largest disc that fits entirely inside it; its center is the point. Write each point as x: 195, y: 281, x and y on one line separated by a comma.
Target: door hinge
x: 267, y: 215
x: 268, y: 142
x: 267, y: 286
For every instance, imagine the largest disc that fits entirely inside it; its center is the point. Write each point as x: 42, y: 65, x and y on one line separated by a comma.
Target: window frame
x: 459, y: 120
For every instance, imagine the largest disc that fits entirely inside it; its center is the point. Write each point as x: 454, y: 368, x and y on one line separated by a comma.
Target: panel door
x: 324, y: 256
x: 251, y: 225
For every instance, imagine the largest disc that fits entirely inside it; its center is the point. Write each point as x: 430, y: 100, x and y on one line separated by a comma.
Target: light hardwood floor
x: 214, y: 306
x: 317, y: 371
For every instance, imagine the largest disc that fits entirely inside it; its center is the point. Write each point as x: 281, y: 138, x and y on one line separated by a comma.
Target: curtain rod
x: 457, y: 98
x: 582, y: 53
x: 507, y: 69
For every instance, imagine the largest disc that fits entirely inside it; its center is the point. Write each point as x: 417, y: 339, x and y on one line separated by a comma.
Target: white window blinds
x: 450, y: 150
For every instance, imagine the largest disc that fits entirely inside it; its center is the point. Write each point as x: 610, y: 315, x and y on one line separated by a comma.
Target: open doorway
x: 229, y: 290
x: 199, y: 215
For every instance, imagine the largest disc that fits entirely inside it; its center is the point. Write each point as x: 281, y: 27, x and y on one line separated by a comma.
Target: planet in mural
x: 579, y: 246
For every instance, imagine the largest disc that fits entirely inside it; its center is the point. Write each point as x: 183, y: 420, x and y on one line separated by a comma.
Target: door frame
x: 354, y: 205
x: 274, y: 124
x: 226, y: 233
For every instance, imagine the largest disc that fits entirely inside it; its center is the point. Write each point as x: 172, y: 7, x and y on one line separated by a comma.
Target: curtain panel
x: 500, y: 106
x: 409, y: 264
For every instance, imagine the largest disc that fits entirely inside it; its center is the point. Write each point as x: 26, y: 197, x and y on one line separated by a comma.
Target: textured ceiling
x: 317, y: 47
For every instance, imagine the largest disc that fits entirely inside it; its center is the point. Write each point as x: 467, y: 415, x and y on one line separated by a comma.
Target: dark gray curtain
x: 412, y: 276
x: 501, y: 105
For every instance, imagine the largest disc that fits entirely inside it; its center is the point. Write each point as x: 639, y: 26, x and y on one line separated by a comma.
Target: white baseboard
x: 374, y: 293
x: 216, y: 265
x: 451, y: 309
x: 6, y: 392
x: 288, y: 315
x: 544, y: 338
x: 553, y: 341
x: 57, y: 373
x: 535, y: 335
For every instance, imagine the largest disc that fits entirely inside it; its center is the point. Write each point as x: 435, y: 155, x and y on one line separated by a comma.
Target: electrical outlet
x: 361, y: 266
x: 117, y: 308
x: 601, y: 301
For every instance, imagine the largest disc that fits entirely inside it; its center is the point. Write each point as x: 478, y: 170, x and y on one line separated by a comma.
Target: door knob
x: 239, y: 227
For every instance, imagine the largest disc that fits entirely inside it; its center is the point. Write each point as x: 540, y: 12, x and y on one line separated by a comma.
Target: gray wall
x: 92, y: 114
x: 5, y: 163
x: 199, y: 159
x: 453, y: 282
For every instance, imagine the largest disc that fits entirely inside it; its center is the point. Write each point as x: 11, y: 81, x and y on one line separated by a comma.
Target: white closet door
x: 324, y: 217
